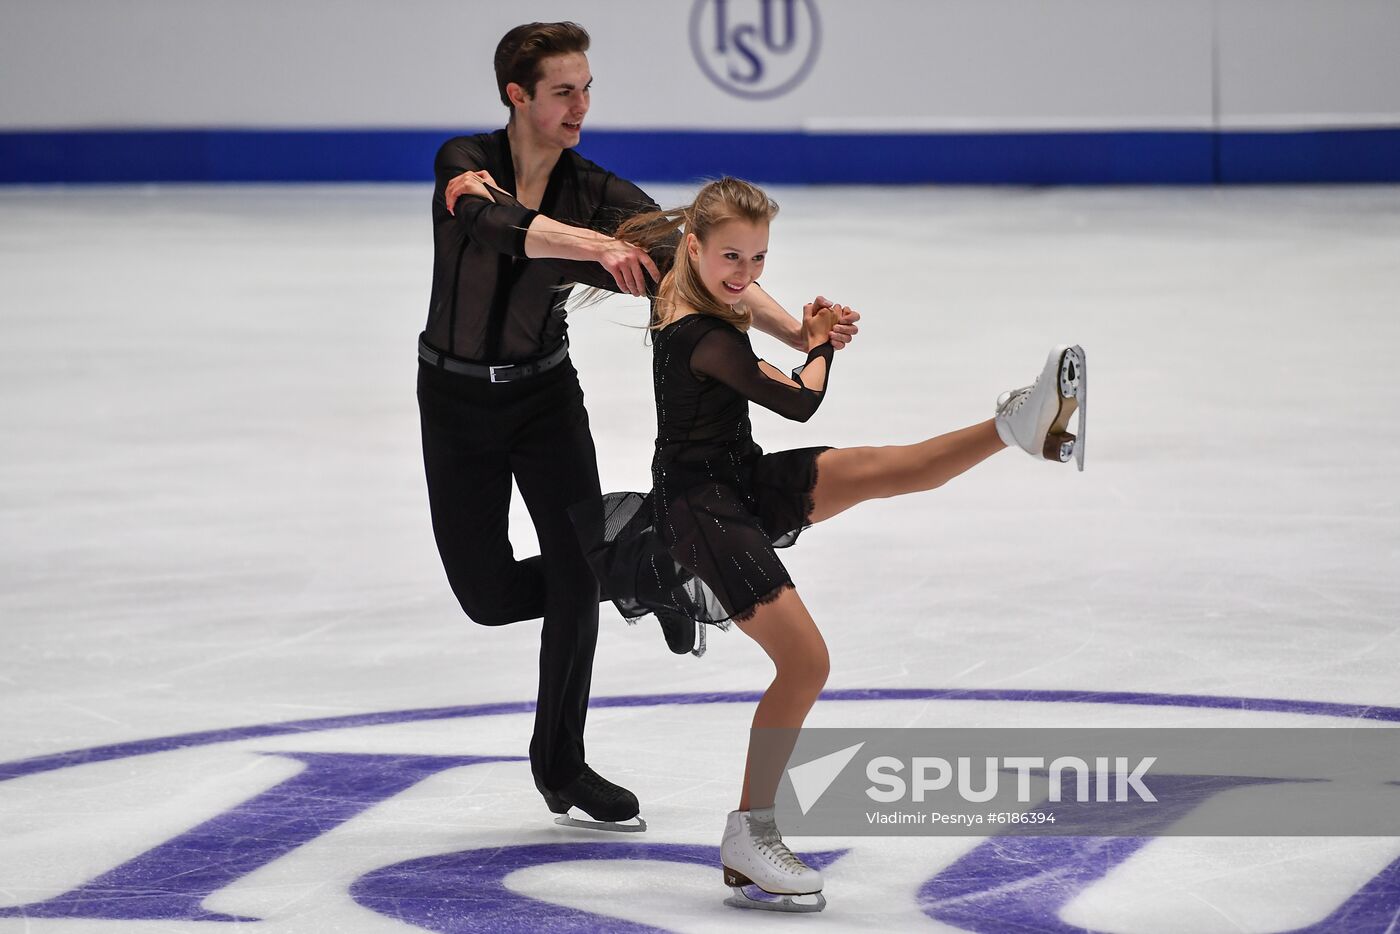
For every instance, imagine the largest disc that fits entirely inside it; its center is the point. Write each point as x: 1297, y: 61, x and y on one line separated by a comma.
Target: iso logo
x: 755, y: 48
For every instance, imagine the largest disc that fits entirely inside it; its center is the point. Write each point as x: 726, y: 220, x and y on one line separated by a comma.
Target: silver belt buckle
x: 493, y: 370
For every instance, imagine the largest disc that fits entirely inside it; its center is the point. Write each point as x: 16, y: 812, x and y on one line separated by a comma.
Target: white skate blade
x: 1082, y: 397
x: 564, y: 820
x: 1070, y: 372
x: 767, y: 901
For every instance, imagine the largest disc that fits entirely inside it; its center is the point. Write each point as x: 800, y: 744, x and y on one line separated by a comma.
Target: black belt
x: 504, y: 373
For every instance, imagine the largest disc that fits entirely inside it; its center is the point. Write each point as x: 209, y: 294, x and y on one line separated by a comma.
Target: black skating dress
x: 702, y: 542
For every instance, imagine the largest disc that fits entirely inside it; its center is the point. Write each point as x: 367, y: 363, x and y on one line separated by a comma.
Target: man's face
x: 555, y: 113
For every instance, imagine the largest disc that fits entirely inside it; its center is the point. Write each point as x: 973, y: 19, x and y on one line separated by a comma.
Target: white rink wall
x: 795, y: 91
x: 879, y: 65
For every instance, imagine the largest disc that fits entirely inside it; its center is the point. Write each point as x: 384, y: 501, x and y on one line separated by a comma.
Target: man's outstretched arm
x: 546, y: 238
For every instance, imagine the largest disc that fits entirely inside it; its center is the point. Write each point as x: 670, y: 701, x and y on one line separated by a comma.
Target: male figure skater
x: 499, y: 397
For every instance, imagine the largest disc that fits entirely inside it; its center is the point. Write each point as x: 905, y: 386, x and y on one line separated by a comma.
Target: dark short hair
x: 520, y: 52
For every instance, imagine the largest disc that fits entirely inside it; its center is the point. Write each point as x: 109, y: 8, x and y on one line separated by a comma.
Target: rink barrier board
x: 1148, y: 157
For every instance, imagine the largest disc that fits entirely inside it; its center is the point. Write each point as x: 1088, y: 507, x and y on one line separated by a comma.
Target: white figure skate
x: 754, y: 854
x: 1035, y: 417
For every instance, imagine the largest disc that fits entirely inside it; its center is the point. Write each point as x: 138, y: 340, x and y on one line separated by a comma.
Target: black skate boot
x: 609, y: 805
x: 682, y: 633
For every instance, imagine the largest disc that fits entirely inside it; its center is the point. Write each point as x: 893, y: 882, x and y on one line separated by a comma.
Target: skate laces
x: 1015, y: 398
x: 600, y: 787
x: 765, y: 835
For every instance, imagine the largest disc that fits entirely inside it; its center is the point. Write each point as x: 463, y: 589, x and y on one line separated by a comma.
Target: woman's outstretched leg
x: 1034, y: 418
x: 846, y: 476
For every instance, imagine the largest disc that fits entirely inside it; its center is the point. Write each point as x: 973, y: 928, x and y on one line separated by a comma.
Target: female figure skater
x: 701, y: 544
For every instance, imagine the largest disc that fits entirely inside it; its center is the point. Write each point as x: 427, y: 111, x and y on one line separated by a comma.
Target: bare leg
x: 785, y: 629
x: 846, y: 476
x: 787, y: 633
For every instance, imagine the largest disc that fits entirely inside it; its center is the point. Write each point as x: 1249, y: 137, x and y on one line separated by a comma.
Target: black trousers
x: 477, y: 435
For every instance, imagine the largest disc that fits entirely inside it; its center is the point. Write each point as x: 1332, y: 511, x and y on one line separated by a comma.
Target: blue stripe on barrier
x: 1061, y: 158
x: 950, y: 158
x: 1303, y: 156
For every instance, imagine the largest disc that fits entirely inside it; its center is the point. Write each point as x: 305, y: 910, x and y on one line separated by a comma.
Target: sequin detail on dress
x: 702, y: 542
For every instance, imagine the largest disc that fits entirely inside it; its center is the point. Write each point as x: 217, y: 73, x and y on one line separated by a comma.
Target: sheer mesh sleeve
x: 621, y: 199
x: 725, y: 354
x: 586, y: 272
x: 500, y: 225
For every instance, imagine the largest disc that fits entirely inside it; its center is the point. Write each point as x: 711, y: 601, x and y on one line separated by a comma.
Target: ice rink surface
x: 214, y: 519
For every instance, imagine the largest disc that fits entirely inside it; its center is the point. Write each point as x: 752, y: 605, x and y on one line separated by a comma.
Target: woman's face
x: 730, y: 258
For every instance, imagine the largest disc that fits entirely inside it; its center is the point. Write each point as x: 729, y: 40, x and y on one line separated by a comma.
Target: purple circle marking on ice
x: 466, y: 892
x: 143, y: 747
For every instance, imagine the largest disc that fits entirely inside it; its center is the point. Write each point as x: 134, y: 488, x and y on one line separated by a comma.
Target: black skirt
x: 702, y: 542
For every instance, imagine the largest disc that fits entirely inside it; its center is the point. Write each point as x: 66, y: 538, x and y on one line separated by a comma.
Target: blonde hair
x: 718, y: 202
